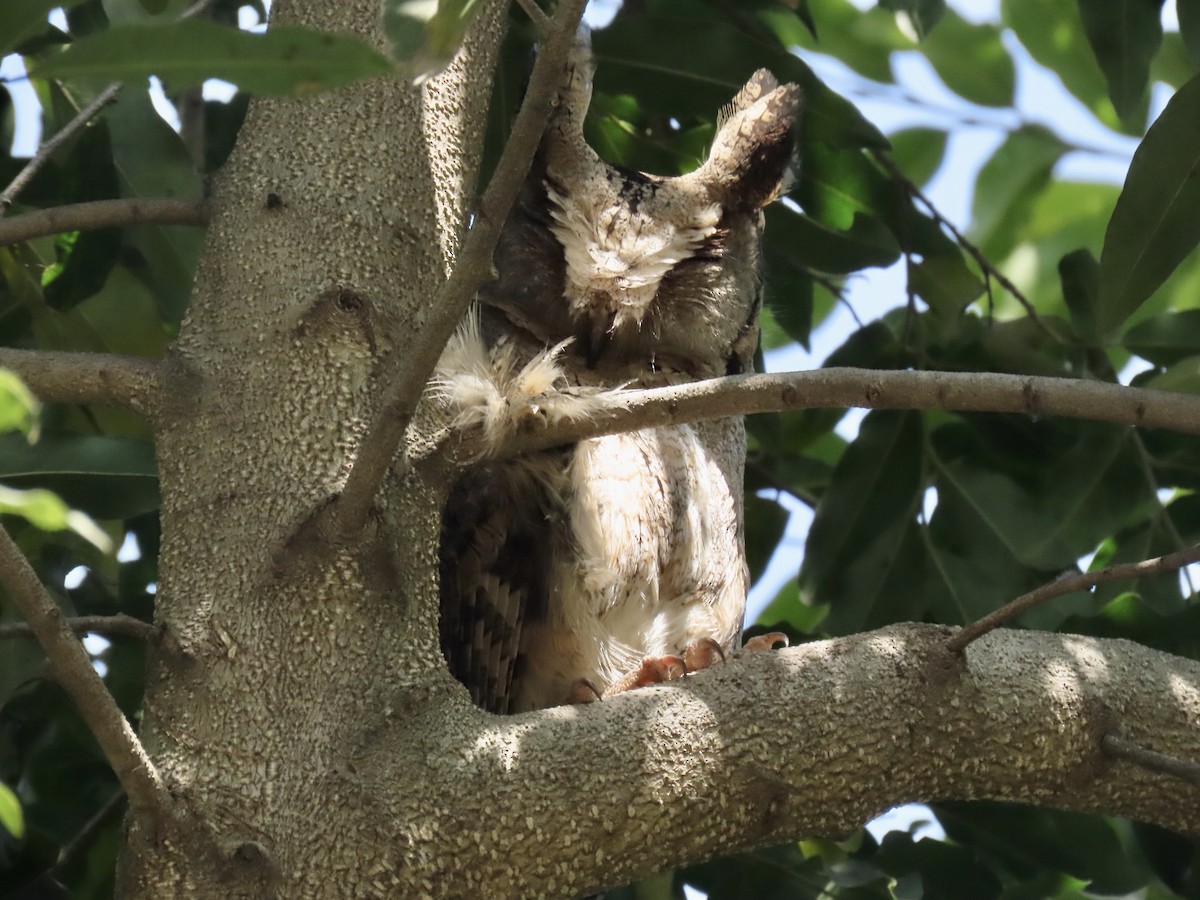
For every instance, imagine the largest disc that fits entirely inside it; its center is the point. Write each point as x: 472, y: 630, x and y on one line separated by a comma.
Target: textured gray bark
x: 299, y: 710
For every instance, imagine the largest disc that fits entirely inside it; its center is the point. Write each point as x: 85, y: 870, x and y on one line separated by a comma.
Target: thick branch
x: 472, y: 270
x: 118, y: 624
x: 871, y: 389
x: 811, y: 741
x: 108, y: 380
x: 1079, y: 581
x: 102, y: 214
x: 73, y: 670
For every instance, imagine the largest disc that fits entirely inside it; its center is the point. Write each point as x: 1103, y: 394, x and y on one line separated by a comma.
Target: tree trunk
x: 334, y: 223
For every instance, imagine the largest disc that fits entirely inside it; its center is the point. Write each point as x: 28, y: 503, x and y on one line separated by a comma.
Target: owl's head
x: 660, y: 270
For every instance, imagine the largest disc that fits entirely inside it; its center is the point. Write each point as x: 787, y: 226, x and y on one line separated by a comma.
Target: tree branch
x: 74, y: 672
x: 985, y: 264
x: 46, y: 150
x: 81, y: 119
x: 83, y: 839
x: 1068, y: 585
x: 734, y: 395
x: 130, y: 382
x: 472, y: 270
x: 118, y: 624
x: 810, y: 741
x: 540, y: 20
x: 102, y: 214
x: 1151, y: 760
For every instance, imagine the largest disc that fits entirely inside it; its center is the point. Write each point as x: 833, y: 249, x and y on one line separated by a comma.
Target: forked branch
x: 472, y: 269
x: 1068, y: 585
x: 73, y: 670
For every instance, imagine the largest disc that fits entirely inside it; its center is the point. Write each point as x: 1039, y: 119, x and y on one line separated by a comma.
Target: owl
x: 617, y: 561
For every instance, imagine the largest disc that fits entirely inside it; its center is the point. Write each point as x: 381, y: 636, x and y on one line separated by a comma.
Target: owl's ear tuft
x: 755, y: 139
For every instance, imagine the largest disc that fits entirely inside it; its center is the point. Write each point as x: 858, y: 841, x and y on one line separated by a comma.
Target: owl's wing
x: 496, y: 562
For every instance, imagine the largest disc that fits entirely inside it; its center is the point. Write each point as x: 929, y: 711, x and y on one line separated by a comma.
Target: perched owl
x: 619, y: 560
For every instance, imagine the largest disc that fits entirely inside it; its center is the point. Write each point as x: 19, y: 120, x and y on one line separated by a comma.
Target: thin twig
x: 989, y: 270
x: 1151, y: 760
x: 46, y: 150
x: 539, y: 18
x: 117, y: 624
x: 472, y: 270
x: 72, y: 668
x: 735, y: 395
x: 102, y: 214
x: 197, y: 8
x: 1068, y: 585
x: 81, y: 118
x: 106, y: 379
x: 83, y: 839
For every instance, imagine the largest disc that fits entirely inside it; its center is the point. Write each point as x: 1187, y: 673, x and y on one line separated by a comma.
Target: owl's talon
x: 702, y: 653
x: 766, y: 641
x: 584, y: 691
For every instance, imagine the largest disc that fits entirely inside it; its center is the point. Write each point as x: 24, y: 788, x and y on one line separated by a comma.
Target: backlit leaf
x: 1155, y: 225
x: 284, y: 60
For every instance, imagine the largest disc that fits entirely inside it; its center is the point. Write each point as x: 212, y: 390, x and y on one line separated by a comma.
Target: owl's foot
x: 653, y: 670
x: 766, y: 641
x: 702, y: 653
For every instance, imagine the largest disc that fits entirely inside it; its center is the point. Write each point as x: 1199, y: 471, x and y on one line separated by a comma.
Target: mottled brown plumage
x: 579, y: 563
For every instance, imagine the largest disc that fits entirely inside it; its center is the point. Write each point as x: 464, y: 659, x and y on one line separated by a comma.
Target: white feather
x: 485, y: 389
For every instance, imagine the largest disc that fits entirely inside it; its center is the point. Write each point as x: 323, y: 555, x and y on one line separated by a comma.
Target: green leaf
x: 19, y: 409
x: 788, y: 610
x: 1008, y: 186
x: 11, y: 818
x: 919, y: 152
x: 1125, y: 35
x: 704, y: 64
x: 425, y: 34
x: 862, y: 39
x: 765, y: 524
x: 21, y: 19
x: 945, y: 283
x: 923, y: 14
x: 120, y: 12
x: 972, y: 61
x: 1181, y: 377
x: 1080, y: 276
x: 151, y: 161
x: 1189, y: 27
x: 1165, y: 339
x: 836, y: 186
x: 285, y: 60
x: 860, y: 534
x: 820, y: 248
x: 106, y: 477
x: 1050, y: 30
x: 1071, y: 485
x: 46, y: 510
x: 1155, y: 225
